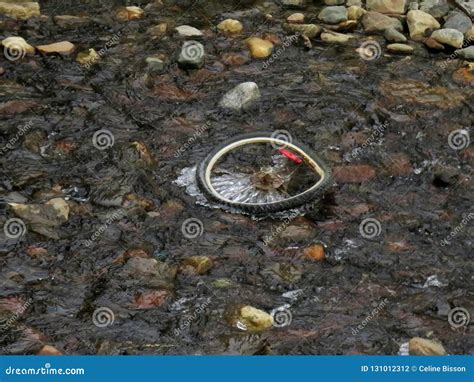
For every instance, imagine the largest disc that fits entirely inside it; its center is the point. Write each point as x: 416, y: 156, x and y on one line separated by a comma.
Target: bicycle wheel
x: 260, y: 172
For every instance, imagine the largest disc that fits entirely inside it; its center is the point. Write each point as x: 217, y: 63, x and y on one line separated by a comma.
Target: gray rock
x: 466, y: 53
x: 192, y: 55
x: 400, y: 48
x: 451, y: 37
x: 298, y: 4
x: 308, y: 30
x: 334, y: 2
x: 375, y: 22
x: 154, y: 65
x: 333, y: 15
x: 392, y: 35
x: 188, y: 31
x: 413, y: 6
x: 459, y: 21
x: 435, y: 8
x: 241, y: 97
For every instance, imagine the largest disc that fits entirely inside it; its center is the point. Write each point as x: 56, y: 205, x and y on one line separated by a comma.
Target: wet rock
x: 71, y: 22
x: 230, y: 26
x: 465, y: 75
x: 88, y: 57
x: 21, y: 10
x: 259, y: 48
x: 154, y: 273
x: 49, y: 350
x: 353, y: 173
x: 308, y: 30
x: 451, y: 37
x: 192, y: 55
x: 150, y: 299
x: 294, y: 3
x: 334, y: 2
x: 154, y: 65
x: 345, y: 26
x: 355, y: 13
x: 315, y: 252
x: 400, y: 48
x: 333, y: 37
x: 419, y: 23
x: 333, y: 15
x: 188, y: 31
x: 459, y: 21
x: 437, y: 10
x: 445, y: 176
x: 298, y: 230
x: 130, y: 13
x: 431, y: 43
x: 158, y: 31
x: 241, y: 97
x: 422, y: 346
x: 223, y: 283
x: 387, y: 6
x: 466, y: 53
x: 2, y: 71
x: 16, y: 48
x: 63, y: 47
x: 295, y: 18
x: 357, y: 3
x: 252, y: 319
x: 200, y: 264
x: 375, y: 22
x: 392, y: 35
x: 469, y: 35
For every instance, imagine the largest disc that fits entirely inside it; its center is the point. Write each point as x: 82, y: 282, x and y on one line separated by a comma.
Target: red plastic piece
x: 293, y: 157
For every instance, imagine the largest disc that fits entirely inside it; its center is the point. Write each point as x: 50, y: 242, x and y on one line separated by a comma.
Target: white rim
x: 279, y: 142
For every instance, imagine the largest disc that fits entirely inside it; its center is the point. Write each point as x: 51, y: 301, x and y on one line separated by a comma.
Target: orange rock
x: 49, y: 350
x: 399, y: 165
x: 464, y: 75
x: 150, y: 299
x: 33, y: 251
x: 315, y: 252
x: 16, y: 107
x: 354, y: 173
x: 234, y: 59
x: 399, y: 246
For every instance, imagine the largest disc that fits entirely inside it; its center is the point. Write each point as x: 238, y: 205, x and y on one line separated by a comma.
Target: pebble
x: 447, y: 36
x: 459, y: 21
x: 431, y: 43
x: 241, y: 97
x: 62, y: 47
x: 470, y: 34
x: 154, y: 65
x: 130, y: 13
x: 296, y: 18
x: 388, y: 6
x: 315, y: 252
x: 2, y: 71
x: 49, y: 350
x: 308, y: 30
x: 466, y: 53
x: 422, y: 346
x: 191, y: 55
x: 333, y: 15
x: 376, y: 22
x: 400, y: 48
x: 353, y: 173
x: 230, y: 26
x: 188, y: 31
x: 333, y: 37
x: 293, y: 3
x: 392, y: 35
x: 201, y: 264
x: 88, y: 57
x: 71, y: 22
x: 253, y: 319
x: 20, y: 10
x: 16, y: 47
x: 420, y: 22
x: 355, y: 12
x: 150, y: 299
x: 334, y: 2
x: 258, y: 47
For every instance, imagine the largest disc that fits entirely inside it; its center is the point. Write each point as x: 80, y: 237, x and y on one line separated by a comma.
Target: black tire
x: 306, y: 197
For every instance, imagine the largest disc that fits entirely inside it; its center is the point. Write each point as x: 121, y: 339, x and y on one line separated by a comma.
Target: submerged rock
x: 241, y: 97
x: 295, y: 18
x: 419, y: 23
x: 400, y: 48
x: 451, y: 37
x: 230, y: 26
x: 259, y: 48
x: 63, y: 47
x: 466, y: 53
x: 192, y: 55
x: 333, y: 15
x: 355, y: 13
x: 308, y: 30
x: 387, y: 6
x: 251, y: 319
x: 200, y: 264
x: 188, y: 31
x: 333, y: 37
x: 392, y: 35
x: 375, y: 22
x: 21, y: 10
x: 130, y: 13
x: 422, y: 346
x: 315, y: 252
x: 459, y: 21
x: 88, y: 57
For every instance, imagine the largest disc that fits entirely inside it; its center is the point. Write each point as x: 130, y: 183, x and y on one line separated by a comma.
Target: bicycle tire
x: 305, y: 197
